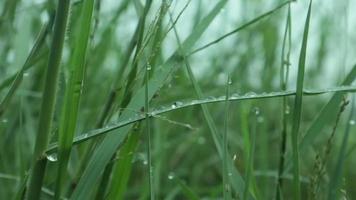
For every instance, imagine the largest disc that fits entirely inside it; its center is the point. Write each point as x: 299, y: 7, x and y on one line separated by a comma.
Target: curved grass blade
x: 234, y: 97
x: 73, y: 94
x: 48, y: 101
x: 298, y: 108
x: 111, y: 142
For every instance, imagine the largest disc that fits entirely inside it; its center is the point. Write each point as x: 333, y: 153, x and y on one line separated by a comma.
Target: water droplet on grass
x: 4, y: 120
x: 287, y: 111
x: 234, y: 158
x: 352, y: 122
x: 52, y: 157
x: 171, y: 176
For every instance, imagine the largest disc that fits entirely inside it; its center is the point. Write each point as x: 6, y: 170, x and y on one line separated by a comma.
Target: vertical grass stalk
x: 226, y: 168
x: 73, y: 93
x: 48, y: 101
x: 298, y: 108
x: 148, y: 132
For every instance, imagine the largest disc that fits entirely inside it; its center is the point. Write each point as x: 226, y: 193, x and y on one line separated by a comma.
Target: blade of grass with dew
x: 48, y: 101
x: 165, y: 109
x: 73, y: 94
x: 111, y: 142
x: 237, y: 183
x: 226, y: 168
x: 244, y: 114
x: 19, y: 75
x: 338, y: 171
x: 148, y: 133
x: 298, y: 108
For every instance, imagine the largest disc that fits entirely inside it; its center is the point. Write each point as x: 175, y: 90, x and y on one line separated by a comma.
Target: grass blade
x: 226, y: 168
x: 123, y: 167
x: 298, y: 108
x: 48, y: 101
x: 73, y: 94
x: 165, y: 109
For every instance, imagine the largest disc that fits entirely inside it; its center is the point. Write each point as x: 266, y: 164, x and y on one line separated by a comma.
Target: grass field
x: 168, y: 99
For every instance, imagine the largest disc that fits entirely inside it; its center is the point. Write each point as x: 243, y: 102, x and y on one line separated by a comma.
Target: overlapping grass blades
x: 111, y: 142
x: 48, y: 101
x: 73, y: 93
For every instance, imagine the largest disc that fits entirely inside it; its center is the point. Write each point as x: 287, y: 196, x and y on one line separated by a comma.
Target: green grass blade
x: 111, y: 142
x: 226, y: 168
x: 250, y: 166
x: 165, y: 109
x: 123, y: 167
x: 48, y: 101
x: 73, y: 93
x: 298, y: 108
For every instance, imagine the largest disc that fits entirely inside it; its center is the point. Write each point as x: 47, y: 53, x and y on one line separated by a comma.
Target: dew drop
x: 234, y: 158
x: 229, y: 174
x: 250, y: 94
x: 257, y: 111
x: 352, y: 122
x: 4, y: 120
x: 145, y: 162
x: 287, y: 110
x: 148, y: 67
x: 52, y: 157
x: 171, y: 176
x: 229, y: 81
x: 26, y: 74
x: 179, y: 103
x: 173, y: 106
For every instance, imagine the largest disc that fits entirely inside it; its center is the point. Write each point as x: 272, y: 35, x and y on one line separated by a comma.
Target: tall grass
x: 135, y: 100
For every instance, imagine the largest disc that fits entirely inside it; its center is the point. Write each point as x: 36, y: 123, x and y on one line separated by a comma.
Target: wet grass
x: 174, y: 100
